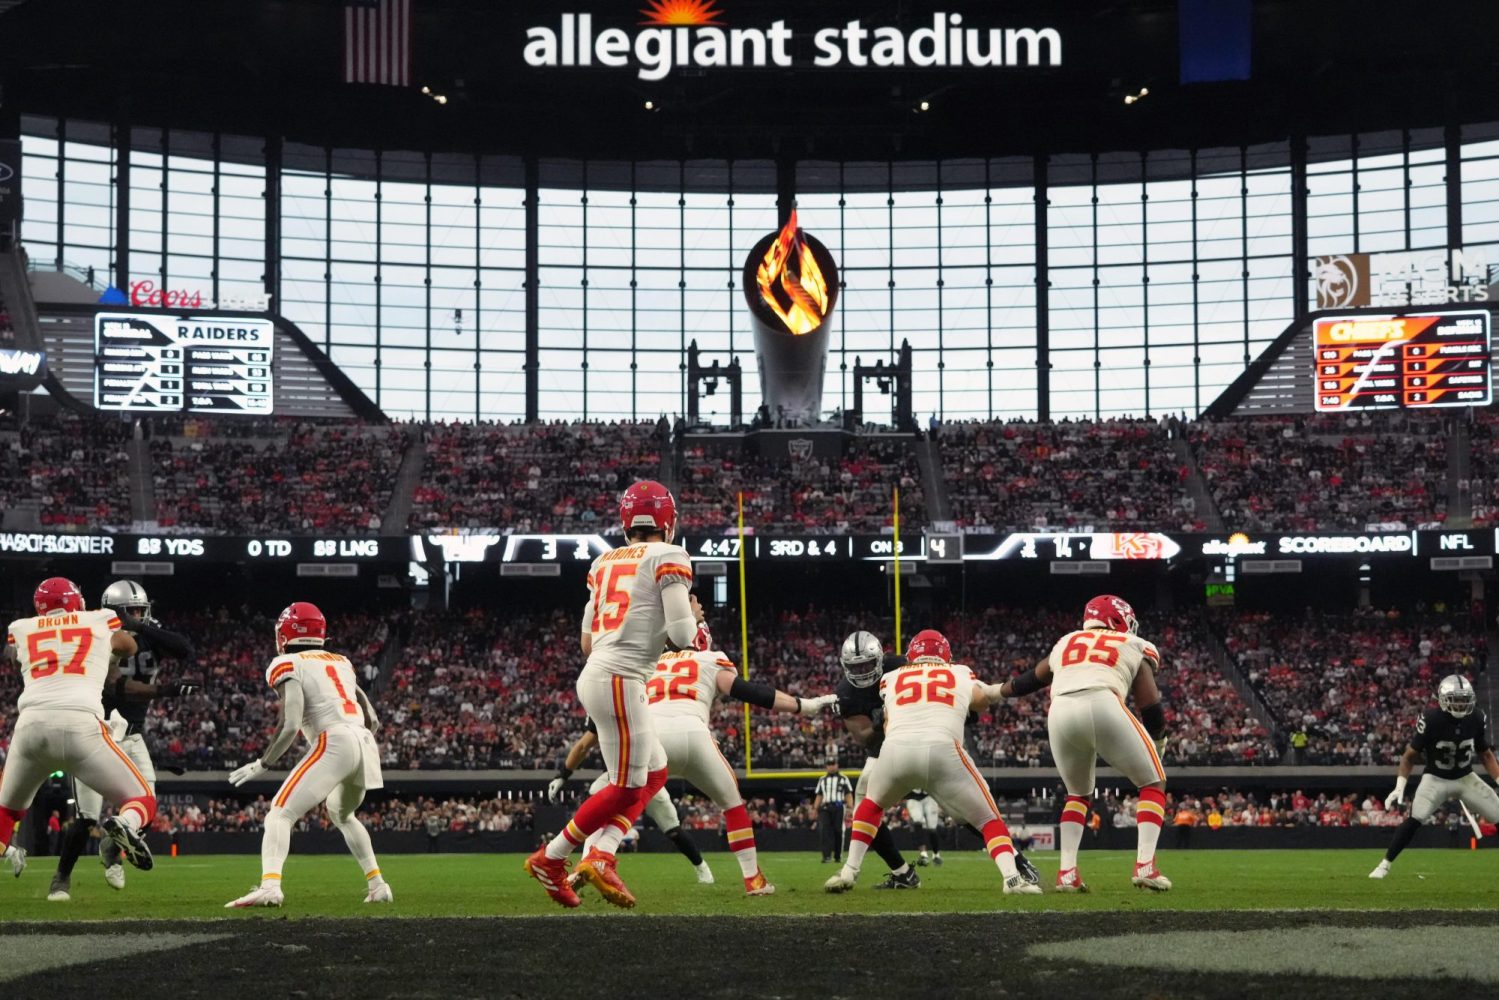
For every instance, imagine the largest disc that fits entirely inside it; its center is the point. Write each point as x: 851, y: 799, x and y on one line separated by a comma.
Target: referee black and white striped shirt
x: 834, y: 788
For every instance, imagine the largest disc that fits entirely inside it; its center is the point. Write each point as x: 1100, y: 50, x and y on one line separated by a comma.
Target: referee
x: 834, y: 795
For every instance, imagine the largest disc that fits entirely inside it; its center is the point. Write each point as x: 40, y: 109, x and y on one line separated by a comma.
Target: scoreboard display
x: 155, y: 363
x: 1405, y: 361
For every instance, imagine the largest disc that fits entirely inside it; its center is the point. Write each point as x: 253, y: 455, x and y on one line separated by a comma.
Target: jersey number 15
x: 611, y: 601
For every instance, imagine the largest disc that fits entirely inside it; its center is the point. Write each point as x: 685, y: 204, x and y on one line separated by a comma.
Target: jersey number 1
x: 46, y: 661
x: 349, y: 707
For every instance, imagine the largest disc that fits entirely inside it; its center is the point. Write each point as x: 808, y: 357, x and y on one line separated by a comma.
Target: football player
x: 1091, y: 672
x: 127, y: 713
x: 1449, y: 737
x: 681, y: 697
x: 637, y: 604
x: 321, y: 699
x: 926, y: 704
x: 65, y: 657
x: 926, y: 817
x: 661, y: 810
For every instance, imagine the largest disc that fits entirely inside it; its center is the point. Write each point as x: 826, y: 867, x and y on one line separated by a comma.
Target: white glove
x: 1393, y: 800
x: 554, y: 788
x: 811, y: 706
x: 248, y: 772
x: 118, y: 727
x: 995, y: 693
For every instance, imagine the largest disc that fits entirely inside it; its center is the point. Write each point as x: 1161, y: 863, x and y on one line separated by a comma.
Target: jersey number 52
x: 938, y: 689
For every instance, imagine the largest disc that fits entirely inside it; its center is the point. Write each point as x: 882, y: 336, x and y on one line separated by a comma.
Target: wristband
x: 564, y: 772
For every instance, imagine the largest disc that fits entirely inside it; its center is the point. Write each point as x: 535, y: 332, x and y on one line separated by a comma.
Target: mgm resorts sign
x: 1402, y: 278
x: 696, y: 35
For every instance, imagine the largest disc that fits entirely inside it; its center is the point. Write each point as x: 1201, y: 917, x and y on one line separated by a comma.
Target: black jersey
x: 1450, y: 745
x: 866, y: 701
x: 151, y: 644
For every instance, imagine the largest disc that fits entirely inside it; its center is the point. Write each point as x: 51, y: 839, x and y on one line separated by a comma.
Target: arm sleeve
x: 1154, y: 719
x: 169, y: 642
x: 760, y: 695
x: 681, y: 627
x: 291, y: 715
x: 1420, y: 738
x: 1026, y: 683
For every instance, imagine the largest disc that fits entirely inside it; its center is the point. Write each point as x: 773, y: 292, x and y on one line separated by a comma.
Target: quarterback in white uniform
x: 681, y: 697
x: 926, y: 704
x: 321, y: 699
x: 1091, y: 672
x: 64, y: 654
x: 637, y: 605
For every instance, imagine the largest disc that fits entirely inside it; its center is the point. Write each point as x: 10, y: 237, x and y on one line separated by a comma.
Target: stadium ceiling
x: 276, y: 68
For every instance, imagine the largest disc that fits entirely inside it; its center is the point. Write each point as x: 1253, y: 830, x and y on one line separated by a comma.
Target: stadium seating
x: 801, y: 496
x: 394, y: 813
x: 1325, y: 472
x: 1109, y: 474
x: 1354, y: 682
x: 557, y: 477
x: 291, y: 476
x: 1483, y: 467
x: 73, y: 471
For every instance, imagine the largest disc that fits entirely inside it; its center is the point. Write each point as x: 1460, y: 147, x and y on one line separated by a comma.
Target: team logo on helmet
x: 929, y: 644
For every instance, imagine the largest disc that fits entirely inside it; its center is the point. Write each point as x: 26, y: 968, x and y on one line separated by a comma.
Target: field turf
x: 1238, y: 923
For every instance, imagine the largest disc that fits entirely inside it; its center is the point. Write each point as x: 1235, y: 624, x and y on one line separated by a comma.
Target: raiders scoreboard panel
x: 152, y: 363
x: 1403, y: 361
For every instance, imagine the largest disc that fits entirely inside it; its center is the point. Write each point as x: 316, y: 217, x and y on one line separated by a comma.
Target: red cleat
x: 758, y: 885
x: 552, y: 875
x: 597, y: 868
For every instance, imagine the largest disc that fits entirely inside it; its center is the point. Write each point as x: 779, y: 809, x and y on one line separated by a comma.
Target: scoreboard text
x: 151, y: 362
x: 1414, y: 361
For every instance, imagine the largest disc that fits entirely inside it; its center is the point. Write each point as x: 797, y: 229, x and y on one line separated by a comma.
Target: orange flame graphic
x: 791, y: 283
x: 681, y: 13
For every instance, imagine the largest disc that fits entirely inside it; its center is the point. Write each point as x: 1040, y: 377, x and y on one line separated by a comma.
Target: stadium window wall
x: 1165, y: 272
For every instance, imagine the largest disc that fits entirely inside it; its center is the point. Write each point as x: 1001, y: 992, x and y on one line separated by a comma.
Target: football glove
x: 177, y: 689
x: 248, y: 772
x: 1393, y: 800
x: 555, y: 787
x: 812, y: 706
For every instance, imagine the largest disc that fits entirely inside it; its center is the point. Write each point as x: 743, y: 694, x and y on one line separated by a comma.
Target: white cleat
x: 704, y: 874
x: 109, y: 857
x: 261, y: 895
x: 1016, y: 885
x: 1148, y: 876
x: 1380, y: 870
x: 378, y: 894
x: 114, y: 875
x: 842, y: 882
x: 16, y: 857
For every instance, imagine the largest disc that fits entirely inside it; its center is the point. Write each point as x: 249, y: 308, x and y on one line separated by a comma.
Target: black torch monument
x: 791, y: 285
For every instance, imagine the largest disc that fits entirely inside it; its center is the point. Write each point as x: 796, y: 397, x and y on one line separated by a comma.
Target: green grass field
x: 479, y: 885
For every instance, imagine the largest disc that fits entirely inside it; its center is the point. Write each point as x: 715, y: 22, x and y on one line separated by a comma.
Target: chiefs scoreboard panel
x: 150, y: 362
x: 1413, y: 361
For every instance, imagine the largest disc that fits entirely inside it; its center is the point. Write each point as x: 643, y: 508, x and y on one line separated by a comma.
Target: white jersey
x: 1099, y: 658
x: 685, y: 685
x: 626, y: 617
x: 926, y: 701
x: 64, y: 659
x: 328, y: 688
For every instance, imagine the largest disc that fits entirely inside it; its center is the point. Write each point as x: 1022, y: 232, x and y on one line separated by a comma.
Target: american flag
x: 377, y: 42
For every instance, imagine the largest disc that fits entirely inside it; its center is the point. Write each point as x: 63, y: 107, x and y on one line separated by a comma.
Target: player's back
x: 328, y: 687
x: 926, y: 701
x: 628, y: 625
x: 1099, y: 659
x: 64, y: 659
x: 685, y: 685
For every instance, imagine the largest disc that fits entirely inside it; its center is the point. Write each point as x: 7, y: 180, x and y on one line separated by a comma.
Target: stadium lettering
x: 1343, y: 544
x: 145, y: 293
x: 1383, y: 329
x: 73, y: 545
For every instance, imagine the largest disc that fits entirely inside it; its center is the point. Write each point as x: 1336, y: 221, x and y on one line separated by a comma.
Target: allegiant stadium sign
x: 683, y: 34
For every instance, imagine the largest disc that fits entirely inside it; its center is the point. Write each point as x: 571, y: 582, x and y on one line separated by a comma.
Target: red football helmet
x: 929, y: 644
x: 703, y: 641
x: 300, y: 622
x: 57, y: 593
x: 1110, y: 612
x: 648, y: 504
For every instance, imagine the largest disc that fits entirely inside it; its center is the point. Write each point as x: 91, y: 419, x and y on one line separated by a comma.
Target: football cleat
x: 842, y: 882
x: 1026, y: 869
x: 552, y: 875
x: 597, y: 868
x: 1016, y: 885
x: 1068, y: 880
x: 1148, y: 876
x: 910, y: 880
x: 132, y: 843
x: 923, y: 860
x: 937, y: 860
x: 704, y: 874
x: 758, y: 885
x: 380, y: 893
x: 60, y: 890
x: 261, y: 895
x: 109, y: 857
x: 17, y: 858
x: 1380, y: 870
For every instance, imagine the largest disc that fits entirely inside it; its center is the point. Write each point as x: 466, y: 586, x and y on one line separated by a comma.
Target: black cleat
x: 132, y: 843
x: 1026, y: 869
x: 910, y: 880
